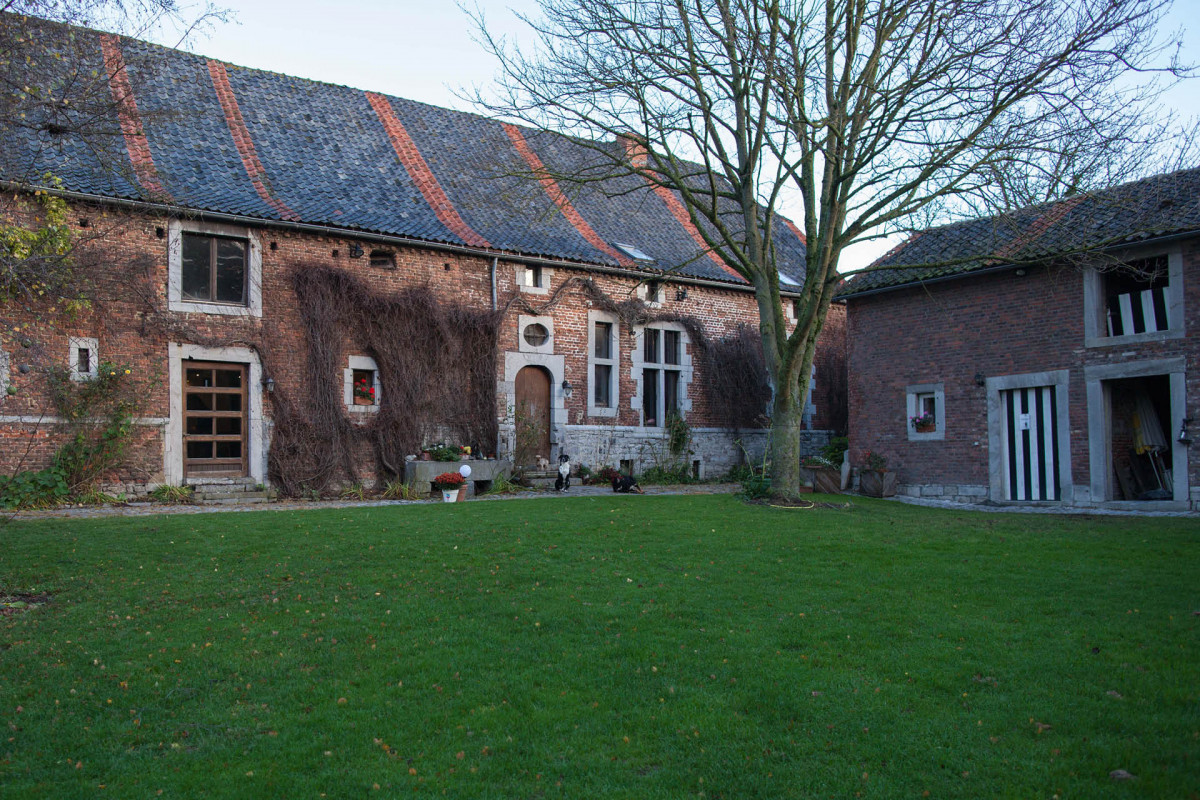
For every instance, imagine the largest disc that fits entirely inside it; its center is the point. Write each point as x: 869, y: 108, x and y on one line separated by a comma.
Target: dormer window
x: 634, y: 252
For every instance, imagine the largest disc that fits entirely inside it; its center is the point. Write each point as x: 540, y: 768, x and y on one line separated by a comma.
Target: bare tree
x: 878, y: 115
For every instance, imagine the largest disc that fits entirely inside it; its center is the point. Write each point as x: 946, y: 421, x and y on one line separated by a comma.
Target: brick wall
x: 130, y: 320
x: 987, y: 326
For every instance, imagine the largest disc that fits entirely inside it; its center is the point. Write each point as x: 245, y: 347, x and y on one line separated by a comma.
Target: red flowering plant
x: 363, y: 390
x: 449, y: 480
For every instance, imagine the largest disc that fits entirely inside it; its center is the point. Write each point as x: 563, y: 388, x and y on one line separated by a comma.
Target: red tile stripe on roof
x: 418, y: 170
x: 635, y: 151
x: 131, y: 121
x: 798, y: 233
x: 1039, y: 227
x: 556, y: 194
x: 243, y: 142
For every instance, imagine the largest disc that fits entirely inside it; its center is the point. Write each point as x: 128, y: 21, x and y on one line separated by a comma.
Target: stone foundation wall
x: 954, y: 493
x: 716, y: 449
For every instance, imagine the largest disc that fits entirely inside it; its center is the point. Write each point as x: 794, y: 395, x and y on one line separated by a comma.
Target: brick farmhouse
x: 250, y: 235
x: 1045, y: 356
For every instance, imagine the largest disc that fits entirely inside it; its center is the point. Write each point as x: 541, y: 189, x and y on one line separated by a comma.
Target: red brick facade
x: 133, y: 326
x: 968, y: 333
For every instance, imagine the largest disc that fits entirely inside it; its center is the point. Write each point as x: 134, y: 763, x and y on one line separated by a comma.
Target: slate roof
x: 327, y: 159
x: 1162, y: 205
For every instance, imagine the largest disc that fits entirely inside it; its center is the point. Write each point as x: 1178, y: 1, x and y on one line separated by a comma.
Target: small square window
x: 926, y: 412
x: 383, y: 259
x: 84, y: 358
x: 533, y: 277
x: 361, y: 386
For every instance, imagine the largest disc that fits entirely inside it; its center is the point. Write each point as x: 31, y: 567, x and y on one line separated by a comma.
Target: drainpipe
x: 495, y: 262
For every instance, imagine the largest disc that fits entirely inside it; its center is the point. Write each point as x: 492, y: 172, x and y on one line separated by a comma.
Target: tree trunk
x: 786, y: 424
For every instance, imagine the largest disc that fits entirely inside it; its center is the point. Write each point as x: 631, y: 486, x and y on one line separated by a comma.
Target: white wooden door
x: 1029, y: 439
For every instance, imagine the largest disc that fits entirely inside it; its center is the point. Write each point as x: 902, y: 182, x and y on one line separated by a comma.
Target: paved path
x: 150, y: 509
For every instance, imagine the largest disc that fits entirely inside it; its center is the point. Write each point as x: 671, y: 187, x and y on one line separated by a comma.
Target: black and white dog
x: 625, y: 484
x: 563, y: 481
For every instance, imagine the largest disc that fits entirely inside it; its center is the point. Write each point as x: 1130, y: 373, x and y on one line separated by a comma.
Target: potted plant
x: 874, y: 479
x: 446, y: 452
x: 450, y: 483
x: 364, y: 393
x: 827, y: 477
x: 924, y: 423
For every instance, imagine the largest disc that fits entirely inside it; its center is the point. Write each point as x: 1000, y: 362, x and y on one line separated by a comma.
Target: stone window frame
x: 912, y: 403
x: 913, y: 393
x: 175, y: 302
x: 651, y: 299
x: 614, y: 374
x: 360, y: 363
x: 1060, y: 379
x: 1095, y: 325
x: 522, y: 272
x: 523, y: 322
x: 92, y: 345
x: 638, y: 364
x: 259, y: 426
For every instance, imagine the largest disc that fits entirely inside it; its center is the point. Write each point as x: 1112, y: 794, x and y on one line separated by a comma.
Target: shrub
x: 34, y: 489
x: 757, y: 486
x: 834, y: 451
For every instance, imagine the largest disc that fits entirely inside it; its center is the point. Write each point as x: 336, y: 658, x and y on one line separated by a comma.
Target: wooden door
x: 532, y: 416
x: 215, y: 417
x: 1029, y: 442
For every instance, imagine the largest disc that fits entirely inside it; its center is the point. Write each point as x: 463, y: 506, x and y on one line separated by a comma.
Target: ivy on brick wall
x: 437, y: 369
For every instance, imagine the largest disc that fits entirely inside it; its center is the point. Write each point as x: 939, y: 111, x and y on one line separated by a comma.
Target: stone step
x: 230, y: 497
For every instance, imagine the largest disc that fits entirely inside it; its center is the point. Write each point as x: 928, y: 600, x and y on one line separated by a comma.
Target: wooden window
x: 213, y: 269
x: 536, y: 334
x: 602, y: 365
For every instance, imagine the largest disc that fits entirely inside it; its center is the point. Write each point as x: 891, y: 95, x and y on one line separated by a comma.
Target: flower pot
x: 874, y: 483
x: 426, y: 457
x: 827, y: 480
x: 363, y: 401
x: 928, y: 427
x: 450, y: 495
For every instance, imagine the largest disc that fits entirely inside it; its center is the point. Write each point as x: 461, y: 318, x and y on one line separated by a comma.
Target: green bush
x: 30, y: 489
x: 666, y: 475
x: 757, y: 486
x: 834, y: 450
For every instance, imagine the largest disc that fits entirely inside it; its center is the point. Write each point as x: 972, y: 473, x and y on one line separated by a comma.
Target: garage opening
x: 1140, y: 438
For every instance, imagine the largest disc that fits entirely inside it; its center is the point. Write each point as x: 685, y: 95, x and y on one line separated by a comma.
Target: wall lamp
x: 1183, y: 437
x: 980, y: 379
x: 681, y: 293
x: 567, y: 389
x: 269, y: 384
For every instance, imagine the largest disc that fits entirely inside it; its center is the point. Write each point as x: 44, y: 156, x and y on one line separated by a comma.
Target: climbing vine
x: 437, y: 368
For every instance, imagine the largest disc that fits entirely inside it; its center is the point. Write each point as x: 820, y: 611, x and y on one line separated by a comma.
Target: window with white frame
x: 360, y: 385
x: 662, y: 368
x: 603, y: 361
x: 925, y: 417
x: 1140, y: 299
x: 213, y: 269
x: 83, y: 356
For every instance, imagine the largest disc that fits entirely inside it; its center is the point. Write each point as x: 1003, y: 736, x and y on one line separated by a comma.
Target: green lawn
x: 632, y: 647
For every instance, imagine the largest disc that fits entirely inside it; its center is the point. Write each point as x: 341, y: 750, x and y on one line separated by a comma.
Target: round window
x: 536, y: 335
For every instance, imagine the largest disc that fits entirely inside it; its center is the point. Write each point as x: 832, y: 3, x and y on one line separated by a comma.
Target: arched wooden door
x: 532, y: 416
